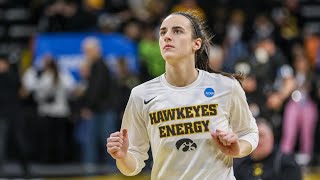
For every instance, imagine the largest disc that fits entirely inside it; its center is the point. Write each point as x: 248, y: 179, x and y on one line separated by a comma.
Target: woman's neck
x: 180, y: 75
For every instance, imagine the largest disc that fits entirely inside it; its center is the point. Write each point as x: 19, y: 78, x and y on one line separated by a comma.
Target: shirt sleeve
x: 137, y: 134
x: 241, y: 120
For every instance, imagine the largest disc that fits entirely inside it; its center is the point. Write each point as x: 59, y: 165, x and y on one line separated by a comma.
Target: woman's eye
x: 162, y: 33
x: 177, y: 31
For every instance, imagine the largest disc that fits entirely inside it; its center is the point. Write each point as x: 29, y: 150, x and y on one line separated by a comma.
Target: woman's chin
x: 169, y: 58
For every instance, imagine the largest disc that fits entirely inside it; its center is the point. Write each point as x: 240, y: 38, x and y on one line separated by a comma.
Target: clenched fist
x: 117, y: 144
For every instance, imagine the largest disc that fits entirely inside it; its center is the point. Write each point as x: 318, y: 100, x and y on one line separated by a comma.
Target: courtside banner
x: 66, y: 48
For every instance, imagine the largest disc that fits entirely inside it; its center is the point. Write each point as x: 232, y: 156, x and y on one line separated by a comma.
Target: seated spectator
x: 266, y: 161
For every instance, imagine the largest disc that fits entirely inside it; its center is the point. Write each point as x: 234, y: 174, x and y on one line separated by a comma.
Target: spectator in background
x: 315, y: 95
x: 274, y: 76
x: 312, y: 48
x: 270, y: 61
x: 98, y: 109
x: 10, y: 115
x: 84, y: 74
x: 255, y: 97
x: 119, y: 7
x: 266, y: 161
x: 263, y: 27
x: 9, y: 103
x: 66, y: 15
x: 216, y: 58
x: 300, y: 113
x: 108, y: 23
x: 51, y: 93
x: 126, y: 81
x: 234, y: 46
x: 132, y: 29
x: 217, y: 15
x: 187, y: 5
x: 76, y: 103
x: 93, y: 5
x: 286, y: 18
x: 138, y: 8
x: 150, y: 55
x: 156, y: 10
x: 30, y: 109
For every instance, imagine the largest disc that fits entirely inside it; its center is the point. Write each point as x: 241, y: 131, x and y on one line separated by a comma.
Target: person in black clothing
x: 98, y: 111
x: 9, y: 102
x: 255, y: 97
x: 273, y: 73
x: 66, y: 16
x: 266, y: 162
x: 10, y: 118
x: 275, y: 80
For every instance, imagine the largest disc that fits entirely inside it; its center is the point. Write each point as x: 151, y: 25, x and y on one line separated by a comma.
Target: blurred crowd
x: 46, y: 117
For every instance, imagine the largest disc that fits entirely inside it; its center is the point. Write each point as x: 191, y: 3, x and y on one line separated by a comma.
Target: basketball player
x: 195, y: 121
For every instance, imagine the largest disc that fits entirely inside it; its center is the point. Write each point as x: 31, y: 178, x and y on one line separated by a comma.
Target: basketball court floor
x: 146, y: 177
x: 76, y: 172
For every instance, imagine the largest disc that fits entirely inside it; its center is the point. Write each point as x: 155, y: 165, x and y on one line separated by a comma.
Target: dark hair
x: 202, y: 55
x: 52, y: 65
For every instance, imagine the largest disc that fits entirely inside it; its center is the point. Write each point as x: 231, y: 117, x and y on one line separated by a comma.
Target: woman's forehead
x: 176, y: 20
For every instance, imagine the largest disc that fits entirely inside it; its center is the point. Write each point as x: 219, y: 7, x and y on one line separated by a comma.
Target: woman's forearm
x: 245, y: 148
x: 127, y: 165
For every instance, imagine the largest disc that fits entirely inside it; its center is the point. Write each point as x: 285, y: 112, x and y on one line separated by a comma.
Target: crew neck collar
x: 193, y: 84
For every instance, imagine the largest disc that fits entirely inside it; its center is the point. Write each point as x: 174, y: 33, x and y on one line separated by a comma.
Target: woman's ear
x: 197, y: 44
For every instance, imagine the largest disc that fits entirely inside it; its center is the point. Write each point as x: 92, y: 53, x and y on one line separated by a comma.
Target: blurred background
x: 67, y: 68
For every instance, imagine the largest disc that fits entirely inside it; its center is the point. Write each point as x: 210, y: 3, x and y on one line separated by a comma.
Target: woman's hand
x: 118, y: 144
x: 227, y: 142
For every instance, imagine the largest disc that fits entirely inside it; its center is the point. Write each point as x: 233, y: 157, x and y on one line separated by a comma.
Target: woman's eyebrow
x: 163, y: 28
x: 174, y: 27
x: 177, y: 27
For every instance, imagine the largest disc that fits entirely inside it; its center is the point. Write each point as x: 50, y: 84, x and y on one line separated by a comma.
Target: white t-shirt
x: 177, y: 123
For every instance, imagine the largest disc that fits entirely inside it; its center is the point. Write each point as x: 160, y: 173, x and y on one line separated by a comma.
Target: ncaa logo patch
x: 209, y: 92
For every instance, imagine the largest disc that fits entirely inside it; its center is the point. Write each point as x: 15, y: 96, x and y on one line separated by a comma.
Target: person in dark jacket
x: 99, y: 104
x: 266, y: 162
x: 11, y: 123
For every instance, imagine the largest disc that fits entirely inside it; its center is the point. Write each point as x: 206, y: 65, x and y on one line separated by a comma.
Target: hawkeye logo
x: 185, y: 145
x: 208, y: 92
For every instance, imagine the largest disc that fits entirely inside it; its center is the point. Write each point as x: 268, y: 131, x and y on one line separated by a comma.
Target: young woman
x: 195, y: 121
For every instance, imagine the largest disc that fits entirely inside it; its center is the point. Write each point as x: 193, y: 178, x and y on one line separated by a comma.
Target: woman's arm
x: 245, y: 148
x: 135, y: 139
x: 229, y: 144
x: 244, y: 132
x: 127, y: 165
x: 117, y: 146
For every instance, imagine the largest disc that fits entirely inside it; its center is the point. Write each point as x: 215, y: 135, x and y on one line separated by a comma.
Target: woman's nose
x: 167, y: 37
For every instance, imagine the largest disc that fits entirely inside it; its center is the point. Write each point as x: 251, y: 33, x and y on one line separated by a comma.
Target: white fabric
x: 227, y: 109
x: 45, y: 87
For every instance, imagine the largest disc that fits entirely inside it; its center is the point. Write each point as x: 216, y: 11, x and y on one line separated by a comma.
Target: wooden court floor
x: 146, y: 177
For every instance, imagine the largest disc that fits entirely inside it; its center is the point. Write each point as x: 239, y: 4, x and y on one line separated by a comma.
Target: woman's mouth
x: 168, y: 46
